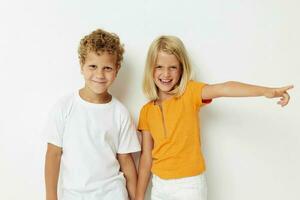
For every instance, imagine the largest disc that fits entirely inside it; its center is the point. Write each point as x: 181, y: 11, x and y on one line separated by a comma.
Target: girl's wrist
x: 268, y: 92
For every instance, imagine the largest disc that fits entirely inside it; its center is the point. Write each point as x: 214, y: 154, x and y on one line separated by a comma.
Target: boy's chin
x: 100, y: 92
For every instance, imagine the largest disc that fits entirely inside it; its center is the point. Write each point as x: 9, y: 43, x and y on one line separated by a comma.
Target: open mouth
x: 165, y: 81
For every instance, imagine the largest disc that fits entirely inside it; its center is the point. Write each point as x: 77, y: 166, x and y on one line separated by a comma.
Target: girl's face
x: 167, y: 72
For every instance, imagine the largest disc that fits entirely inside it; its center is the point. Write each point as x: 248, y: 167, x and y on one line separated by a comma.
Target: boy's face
x: 167, y: 72
x: 99, y: 71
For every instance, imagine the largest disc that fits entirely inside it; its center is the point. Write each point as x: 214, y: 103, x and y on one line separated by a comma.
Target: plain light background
x: 251, y: 145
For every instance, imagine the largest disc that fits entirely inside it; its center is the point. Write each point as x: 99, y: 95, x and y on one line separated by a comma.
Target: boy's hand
x: 279, y: 92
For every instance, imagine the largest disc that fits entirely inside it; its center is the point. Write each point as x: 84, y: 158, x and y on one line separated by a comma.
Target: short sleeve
x: 196, y: 91
x: 54, y: 127
x: 143, y: 125
x: 128, y: 141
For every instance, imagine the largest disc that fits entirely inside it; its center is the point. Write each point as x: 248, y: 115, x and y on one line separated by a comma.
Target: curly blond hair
x: 100, y: 41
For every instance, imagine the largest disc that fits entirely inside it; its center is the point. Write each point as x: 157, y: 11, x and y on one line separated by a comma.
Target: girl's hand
x: 279, y: 92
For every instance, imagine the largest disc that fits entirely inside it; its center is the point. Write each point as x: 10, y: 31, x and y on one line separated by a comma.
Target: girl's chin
x: 165, y: 89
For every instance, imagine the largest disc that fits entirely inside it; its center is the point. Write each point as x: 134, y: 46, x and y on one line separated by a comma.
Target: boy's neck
x: 91, y: 97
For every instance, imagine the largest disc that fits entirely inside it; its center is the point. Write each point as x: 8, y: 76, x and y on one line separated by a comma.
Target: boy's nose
x: 99, y: 73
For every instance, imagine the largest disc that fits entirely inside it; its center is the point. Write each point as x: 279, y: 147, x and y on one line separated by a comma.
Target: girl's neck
x: 91, y: 97
x: 162, y: 96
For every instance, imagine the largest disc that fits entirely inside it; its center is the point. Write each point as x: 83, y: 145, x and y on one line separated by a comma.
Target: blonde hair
x: 100, y: 41
x: 172, y: 45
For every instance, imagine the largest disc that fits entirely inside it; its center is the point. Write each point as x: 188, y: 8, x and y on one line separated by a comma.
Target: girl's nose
x: 166, y: 73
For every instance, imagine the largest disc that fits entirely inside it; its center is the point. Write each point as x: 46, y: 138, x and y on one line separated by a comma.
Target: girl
x: 169, y: 123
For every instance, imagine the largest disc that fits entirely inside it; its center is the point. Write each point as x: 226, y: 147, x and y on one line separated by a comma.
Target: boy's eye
x: 92, y: 66
x: 158, y: 67
x: 108, y: 69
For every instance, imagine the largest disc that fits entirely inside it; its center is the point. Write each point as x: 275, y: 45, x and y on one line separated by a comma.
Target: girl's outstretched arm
x: 237, y: 89
x: 145, y: 164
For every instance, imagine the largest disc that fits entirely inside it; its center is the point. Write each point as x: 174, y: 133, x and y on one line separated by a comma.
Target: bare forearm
x: 128, y: 168
x: 131, y: 180
x: 143, y: 177
x: 233, y: 89
x: 52, y: 167
x: 238, y: 89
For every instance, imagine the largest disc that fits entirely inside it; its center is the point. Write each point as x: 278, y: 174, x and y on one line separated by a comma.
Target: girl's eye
x: 158, y: 67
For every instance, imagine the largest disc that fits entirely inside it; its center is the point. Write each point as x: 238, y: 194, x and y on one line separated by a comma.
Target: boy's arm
x: 237, y: 89
x: 128, y: 168
x: 145, y: 164
x: 52, y: 165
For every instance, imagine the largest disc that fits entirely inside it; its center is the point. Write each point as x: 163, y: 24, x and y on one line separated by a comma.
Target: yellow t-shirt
x: 175, y: 130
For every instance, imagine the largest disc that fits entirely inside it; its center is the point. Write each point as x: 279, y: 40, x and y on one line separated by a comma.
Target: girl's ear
x: 181, y: 69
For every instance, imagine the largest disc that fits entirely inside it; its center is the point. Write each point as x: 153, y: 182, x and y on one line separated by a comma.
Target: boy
x: 90, y: 133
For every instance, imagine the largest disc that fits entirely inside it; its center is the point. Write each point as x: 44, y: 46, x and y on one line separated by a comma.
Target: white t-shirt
x: 90, y: 136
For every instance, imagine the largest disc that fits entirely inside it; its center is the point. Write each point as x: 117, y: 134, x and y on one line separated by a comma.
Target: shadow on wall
x: 121, y: 86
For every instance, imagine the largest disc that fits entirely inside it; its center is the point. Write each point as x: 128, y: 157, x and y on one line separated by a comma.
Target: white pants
x: 114, y: 194
x: 190, y: 188
x: 110, y: 191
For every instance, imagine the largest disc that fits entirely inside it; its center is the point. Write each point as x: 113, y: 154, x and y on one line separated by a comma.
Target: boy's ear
x: 81, y: 70
x: 118, y: 68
